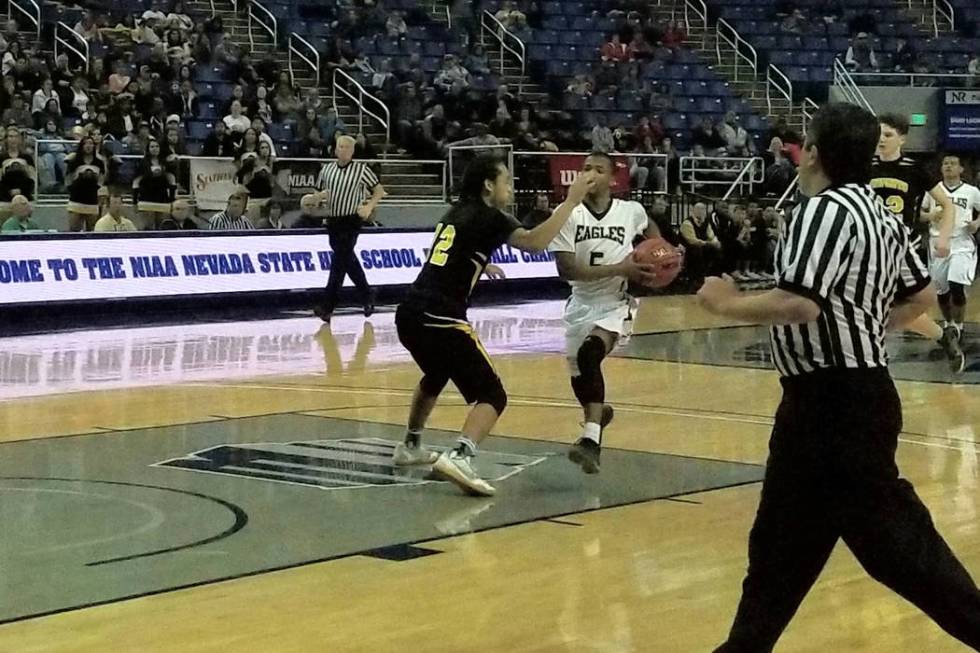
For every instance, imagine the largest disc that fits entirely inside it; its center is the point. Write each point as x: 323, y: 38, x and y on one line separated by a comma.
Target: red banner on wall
x: 565, y: 168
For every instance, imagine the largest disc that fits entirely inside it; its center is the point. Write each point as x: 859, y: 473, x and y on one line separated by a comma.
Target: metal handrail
x: 789, y: 191
x: 845, y: 81
x: 944, y: 9
x: 735, y: 40
x: 746, y: 169
x: 359, y: 99
x: 313, y: 63
x: 912, y: 76
x: 497, y: 29
x: 273, y: 29
x: 35, y: 17
x: 786, y: 90
x: 58, y: 39
x: 688, y: 164
x: 807, y: 111
x: 700, y: 10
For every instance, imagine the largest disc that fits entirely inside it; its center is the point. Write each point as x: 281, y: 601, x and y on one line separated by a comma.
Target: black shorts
x: 446, y: 349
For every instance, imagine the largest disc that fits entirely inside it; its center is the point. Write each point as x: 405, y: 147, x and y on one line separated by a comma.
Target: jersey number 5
x: 445, y: 235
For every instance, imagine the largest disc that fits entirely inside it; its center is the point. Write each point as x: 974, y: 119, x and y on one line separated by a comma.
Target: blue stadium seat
x: 199, y: 129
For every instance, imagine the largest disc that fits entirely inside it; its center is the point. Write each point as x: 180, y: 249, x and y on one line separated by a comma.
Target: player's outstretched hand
x: 494, y: 272
x: 581, y: 187
x: 716, y: 291
x: 641, y: 273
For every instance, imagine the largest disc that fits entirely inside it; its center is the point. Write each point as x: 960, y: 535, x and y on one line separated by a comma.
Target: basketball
x: 666, y: 259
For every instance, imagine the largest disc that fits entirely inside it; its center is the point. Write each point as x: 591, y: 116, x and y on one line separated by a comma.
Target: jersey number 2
x: 445, y: 235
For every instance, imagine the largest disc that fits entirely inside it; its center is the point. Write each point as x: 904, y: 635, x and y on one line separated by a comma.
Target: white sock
x: 592, y: 431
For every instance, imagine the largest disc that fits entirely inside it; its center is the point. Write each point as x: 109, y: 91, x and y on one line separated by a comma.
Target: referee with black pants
x: 351, y: 192
x: 845, y: 274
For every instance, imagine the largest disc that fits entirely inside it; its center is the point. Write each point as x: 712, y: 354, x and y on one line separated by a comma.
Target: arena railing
x: 490, y: 25
x: 948, y: 79
x: 809, y: 108
x: 699, y: 10
x: 844, y: 80
x: 360, y: 96
x: 743, y: 179
x: 71, y: 41
x: 742, y: 51
x: 942, y: 13
x: 775, y: 79
x: 561, y: 168
x: 197, y: 174
x: 703, y: 171
x: 257, y: 15
x: 790, y: 190
x: 30, y: 9
x: 313, y: 63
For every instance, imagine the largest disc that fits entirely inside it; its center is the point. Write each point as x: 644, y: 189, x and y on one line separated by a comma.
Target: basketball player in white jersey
x: 953, y: 274
x: 594, y: 254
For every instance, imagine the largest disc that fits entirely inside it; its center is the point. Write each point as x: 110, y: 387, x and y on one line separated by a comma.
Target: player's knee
x: 495, y: 396
x: 590, y: 355
x: 957, y: 294
x: 431, y: 386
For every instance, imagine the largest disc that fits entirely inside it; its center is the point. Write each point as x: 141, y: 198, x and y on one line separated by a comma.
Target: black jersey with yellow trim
x: 901, y: 184
x: 465, y: 239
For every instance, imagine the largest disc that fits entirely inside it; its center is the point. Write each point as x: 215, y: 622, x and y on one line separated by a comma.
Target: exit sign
x: 917, y: 119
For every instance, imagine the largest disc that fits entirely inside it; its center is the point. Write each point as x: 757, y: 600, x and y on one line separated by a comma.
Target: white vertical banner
x: 213, y: 180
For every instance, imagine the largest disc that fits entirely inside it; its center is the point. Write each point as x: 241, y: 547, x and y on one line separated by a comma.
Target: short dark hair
x: 846, y: 137
x: 485, y: 167
x: 602, y: 155
x: 952, y: 155
x: 896, y: 121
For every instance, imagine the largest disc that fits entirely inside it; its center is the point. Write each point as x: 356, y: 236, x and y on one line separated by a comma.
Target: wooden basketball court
x: 154, y: 499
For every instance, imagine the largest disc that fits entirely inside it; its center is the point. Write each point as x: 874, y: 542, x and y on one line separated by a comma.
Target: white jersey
x: 601, y: 240
x: 966, y: 198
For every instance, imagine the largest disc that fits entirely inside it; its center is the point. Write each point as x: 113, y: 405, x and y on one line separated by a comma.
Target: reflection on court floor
x: 912, y: 358
x: 55, y: 363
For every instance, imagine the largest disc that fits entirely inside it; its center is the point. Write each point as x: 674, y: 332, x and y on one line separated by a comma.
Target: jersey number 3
x: 896, y: 204
x: 445, y: 235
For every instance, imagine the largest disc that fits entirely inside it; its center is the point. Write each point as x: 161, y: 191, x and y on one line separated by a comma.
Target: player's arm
x: 944, y: 202
x: 569, y: 269
x: 538, y: 239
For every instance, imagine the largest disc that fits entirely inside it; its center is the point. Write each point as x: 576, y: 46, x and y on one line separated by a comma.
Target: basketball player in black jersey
x: 432, y: 324
x: 902, y: 183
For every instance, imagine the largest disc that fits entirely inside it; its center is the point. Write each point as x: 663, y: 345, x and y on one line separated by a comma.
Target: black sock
x: 413, y: 438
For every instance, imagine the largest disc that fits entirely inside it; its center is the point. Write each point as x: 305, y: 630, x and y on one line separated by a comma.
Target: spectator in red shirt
x: 674, y: 36
x: 616, y: 51
x: 647, y: 129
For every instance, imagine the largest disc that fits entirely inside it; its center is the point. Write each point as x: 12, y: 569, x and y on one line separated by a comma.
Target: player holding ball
x: 594, y: 254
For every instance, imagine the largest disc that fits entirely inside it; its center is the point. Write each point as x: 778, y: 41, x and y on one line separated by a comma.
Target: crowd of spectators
x: 139, y: 96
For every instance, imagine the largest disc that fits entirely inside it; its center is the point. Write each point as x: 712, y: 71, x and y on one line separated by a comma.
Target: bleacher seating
x: 808, y: 58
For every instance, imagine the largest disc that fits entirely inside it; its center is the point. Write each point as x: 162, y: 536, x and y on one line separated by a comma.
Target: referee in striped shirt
x: 846, y: 273
x: 351, y: 192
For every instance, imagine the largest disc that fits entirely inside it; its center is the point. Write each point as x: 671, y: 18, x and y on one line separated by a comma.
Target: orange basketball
x: 666, y: 259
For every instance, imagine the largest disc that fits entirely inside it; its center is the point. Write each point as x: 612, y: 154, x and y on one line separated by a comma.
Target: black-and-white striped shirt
x: 842, y: 249
x: 221, y: 221
x: 348, y: 186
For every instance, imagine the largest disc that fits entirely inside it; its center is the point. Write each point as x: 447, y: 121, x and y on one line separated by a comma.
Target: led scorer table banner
x: 38, y: 268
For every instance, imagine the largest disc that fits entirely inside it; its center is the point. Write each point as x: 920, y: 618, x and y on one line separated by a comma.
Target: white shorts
x: 958, y: 267
x: 581, y: 318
